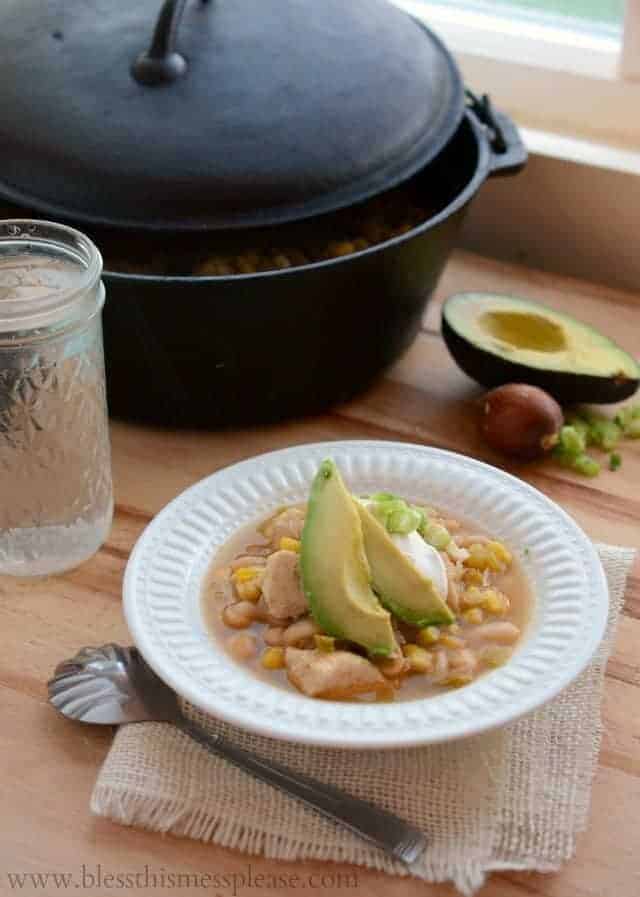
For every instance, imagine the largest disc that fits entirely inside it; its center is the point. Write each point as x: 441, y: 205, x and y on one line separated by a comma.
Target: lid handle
x: 161, y: 63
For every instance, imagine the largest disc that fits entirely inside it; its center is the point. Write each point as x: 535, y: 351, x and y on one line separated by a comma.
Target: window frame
x: 577, y: 83
x: 630, y: 57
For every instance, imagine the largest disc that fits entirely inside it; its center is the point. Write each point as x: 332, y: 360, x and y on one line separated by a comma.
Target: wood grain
x: 49, y: 766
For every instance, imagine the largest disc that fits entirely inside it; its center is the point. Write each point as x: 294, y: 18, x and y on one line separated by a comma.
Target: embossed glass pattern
x: 55, y: 472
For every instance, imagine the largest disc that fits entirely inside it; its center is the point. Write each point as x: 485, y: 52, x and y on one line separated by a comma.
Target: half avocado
x: 335, y: 572
x: 501, y: 339
x: 400, y: 586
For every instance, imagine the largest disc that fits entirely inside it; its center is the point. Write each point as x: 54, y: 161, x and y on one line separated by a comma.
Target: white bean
x: 261, y: 611
x: 250, y: 560
x: 441, y: 667
x: 274, y: 636
x: 262, y: 551
x: 503, y: 633
x: 454, y: 568
x: 243, y: 646
x: 299, y: 632
x: 474, y: 539
x: 453, y: 595
x: 462, y: 661
x: 393, y: 667
x: 239, y: 616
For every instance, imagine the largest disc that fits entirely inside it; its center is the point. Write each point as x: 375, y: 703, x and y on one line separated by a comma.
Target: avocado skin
x: 566, y: 387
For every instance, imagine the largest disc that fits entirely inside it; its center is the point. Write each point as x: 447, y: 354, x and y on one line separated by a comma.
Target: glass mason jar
x: 56, y: 499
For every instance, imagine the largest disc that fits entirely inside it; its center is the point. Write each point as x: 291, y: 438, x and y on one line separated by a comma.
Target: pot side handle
x: 508, y: 152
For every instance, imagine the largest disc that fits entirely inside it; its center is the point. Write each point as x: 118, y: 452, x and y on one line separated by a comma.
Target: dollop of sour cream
x: 424, y: 557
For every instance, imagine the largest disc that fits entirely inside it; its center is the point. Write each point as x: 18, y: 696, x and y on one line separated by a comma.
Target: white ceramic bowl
x: 165, y: 573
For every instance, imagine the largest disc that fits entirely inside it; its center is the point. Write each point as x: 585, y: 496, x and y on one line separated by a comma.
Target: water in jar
x: 55, y: 475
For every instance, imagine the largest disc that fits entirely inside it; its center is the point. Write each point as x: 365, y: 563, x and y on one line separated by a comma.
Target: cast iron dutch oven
x: 243, y: 117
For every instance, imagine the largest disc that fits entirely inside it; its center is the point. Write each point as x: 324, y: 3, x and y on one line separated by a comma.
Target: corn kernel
x: 477, y: 557
x: 428, y: 636
x: 474, y: 616
x: 288, y: 544
x: 473, y: 597
x: 481, y: 557
x: 458, y: 681
x: 249, y: 591
x: 496, y: 603
x: 245, y: 574
x: 453, y: 629
x: 420, y: 661
x: 393, y: 667
x: 273, y: 659
x: 452, y: 641
x: 325, y: 643
x: 501, y: 552
x: 495, y: 656
x: 472, y: 577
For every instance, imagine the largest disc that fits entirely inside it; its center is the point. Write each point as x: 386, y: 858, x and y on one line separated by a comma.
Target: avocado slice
x: 401, y: 587
x: 501, y: 339
x: 335, y: 572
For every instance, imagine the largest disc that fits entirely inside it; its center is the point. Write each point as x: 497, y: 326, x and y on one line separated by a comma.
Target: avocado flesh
x: 502, y: 339
x: 402, y: 588
x: 335, y: 572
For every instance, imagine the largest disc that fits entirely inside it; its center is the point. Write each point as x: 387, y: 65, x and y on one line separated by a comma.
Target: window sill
x: 575, y: 209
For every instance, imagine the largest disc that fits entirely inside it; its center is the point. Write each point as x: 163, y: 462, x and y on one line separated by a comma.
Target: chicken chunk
x: 338, y: 675
x: 281, y: 586
x: 287, y: 525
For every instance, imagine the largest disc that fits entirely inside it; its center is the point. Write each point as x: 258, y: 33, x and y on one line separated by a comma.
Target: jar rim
x: 32, y: 312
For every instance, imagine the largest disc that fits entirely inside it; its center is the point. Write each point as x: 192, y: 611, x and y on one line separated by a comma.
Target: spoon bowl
x: 111, y: 685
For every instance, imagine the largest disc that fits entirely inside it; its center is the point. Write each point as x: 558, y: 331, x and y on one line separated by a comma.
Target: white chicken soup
x: 368, y: 598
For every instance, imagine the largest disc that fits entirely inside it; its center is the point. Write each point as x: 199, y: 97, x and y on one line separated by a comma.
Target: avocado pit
x: 521, y: 421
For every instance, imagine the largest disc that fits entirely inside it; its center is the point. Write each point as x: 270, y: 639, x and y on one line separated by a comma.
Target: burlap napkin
x: 510, y: 799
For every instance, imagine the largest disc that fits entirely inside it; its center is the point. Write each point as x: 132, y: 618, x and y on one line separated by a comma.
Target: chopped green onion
x: 424, y: 520
x: 586, y: 465
x: 437, y: 536
x: 403, y: 521
x: 395, y: 514
x: 580, y: 425
x: 605, y: 434
x: 571, y: 441
x: 632, y: 430
x: 615, y: 461
x: 626, y: 417
x: 398, y: 516
x: 585, y: 428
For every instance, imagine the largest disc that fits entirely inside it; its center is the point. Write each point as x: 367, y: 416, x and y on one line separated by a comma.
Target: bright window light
x: 607, y: 15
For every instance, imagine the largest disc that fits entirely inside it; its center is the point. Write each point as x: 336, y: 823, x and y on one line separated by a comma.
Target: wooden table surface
x: 48, y: 766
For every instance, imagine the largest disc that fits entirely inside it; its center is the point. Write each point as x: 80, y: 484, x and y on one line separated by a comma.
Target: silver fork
x: 113, y: 685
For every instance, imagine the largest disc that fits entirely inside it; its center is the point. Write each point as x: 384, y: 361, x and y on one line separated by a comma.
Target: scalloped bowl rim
x: 164, y: 576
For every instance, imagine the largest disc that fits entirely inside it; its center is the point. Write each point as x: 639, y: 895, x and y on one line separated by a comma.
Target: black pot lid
x: 264, y: 111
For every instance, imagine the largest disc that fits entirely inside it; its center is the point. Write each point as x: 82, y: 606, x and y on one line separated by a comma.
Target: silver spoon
x: 113, y: 685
